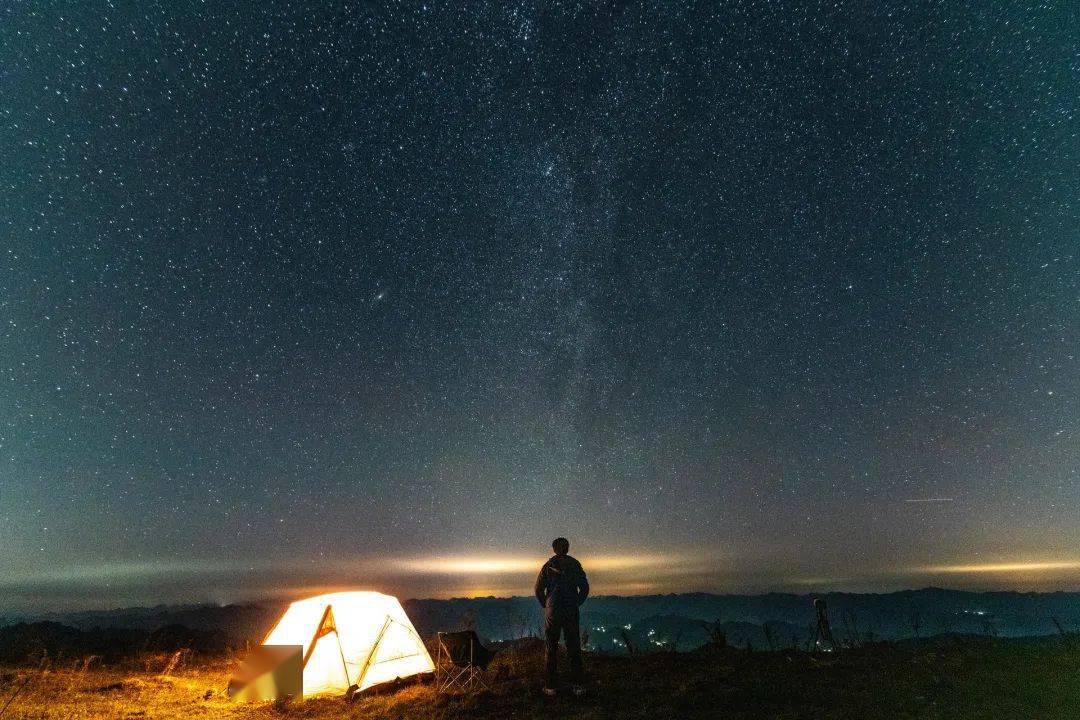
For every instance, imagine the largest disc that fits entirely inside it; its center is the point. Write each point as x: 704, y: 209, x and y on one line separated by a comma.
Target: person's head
x: 561, y: 546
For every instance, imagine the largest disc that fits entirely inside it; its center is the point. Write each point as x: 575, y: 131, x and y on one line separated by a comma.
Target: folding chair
x: 460, y: 661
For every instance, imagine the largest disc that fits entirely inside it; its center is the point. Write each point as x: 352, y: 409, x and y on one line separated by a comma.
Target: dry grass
x: 974, y: 680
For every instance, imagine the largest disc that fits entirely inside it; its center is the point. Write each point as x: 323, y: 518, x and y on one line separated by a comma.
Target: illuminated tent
x: 347, y: 642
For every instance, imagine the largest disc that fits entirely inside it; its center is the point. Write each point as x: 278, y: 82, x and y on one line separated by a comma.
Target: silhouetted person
x: 561, y: 587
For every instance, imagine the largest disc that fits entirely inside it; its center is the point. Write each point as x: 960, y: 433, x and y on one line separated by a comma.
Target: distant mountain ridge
x: 677, y: 621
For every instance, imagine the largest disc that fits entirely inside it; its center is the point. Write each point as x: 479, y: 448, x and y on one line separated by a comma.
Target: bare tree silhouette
x: 915, y: 619
x: 717, y: 637
x: 628, y: 641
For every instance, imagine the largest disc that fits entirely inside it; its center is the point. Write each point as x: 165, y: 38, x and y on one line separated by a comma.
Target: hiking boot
x: 550, y: 691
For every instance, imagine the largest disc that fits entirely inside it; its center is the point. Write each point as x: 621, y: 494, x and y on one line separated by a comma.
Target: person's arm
x: 583, y: 587
x: 540, y: 589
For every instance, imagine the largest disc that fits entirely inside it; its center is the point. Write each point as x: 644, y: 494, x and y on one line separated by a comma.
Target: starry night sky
x: 737, y: 297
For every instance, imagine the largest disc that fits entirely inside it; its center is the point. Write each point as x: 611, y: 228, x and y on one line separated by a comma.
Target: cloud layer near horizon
x: 196, y: 580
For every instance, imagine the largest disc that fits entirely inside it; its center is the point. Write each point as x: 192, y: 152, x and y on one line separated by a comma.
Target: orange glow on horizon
x: 471, y: 564
x: 1012, y: 567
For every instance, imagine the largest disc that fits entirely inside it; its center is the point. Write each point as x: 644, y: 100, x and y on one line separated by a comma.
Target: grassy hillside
x: 969, y: 679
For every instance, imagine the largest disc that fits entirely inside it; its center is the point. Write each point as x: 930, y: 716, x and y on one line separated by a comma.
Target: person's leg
x: 551, y: 641
x: 572, y: 632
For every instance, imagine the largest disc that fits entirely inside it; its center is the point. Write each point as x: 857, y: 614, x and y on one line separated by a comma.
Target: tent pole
x: 322, y: 631
x: 319, y: 632
x: 344, y: 665
x: 371, y: 654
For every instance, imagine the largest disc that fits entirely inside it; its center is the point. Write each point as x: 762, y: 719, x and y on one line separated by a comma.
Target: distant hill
x: 886, y: 616
x: 677, y: 621
x: 33, y: 641
x: 235, y: 620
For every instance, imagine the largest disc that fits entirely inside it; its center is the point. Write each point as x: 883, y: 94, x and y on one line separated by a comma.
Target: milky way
x: 294, y: 295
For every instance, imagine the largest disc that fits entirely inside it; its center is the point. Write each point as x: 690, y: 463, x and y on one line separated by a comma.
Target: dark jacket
x: 561, y: 583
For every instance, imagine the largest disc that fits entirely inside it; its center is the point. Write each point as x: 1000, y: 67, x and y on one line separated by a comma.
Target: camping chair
x: 460, y: 661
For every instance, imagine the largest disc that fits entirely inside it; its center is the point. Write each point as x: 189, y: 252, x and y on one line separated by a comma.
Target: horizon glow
x: 497, y: 575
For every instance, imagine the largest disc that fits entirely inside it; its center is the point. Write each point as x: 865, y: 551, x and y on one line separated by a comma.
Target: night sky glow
x: 736, y: 296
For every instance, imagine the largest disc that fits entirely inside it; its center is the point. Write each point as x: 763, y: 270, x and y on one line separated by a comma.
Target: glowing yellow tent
x: 348, y: 641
